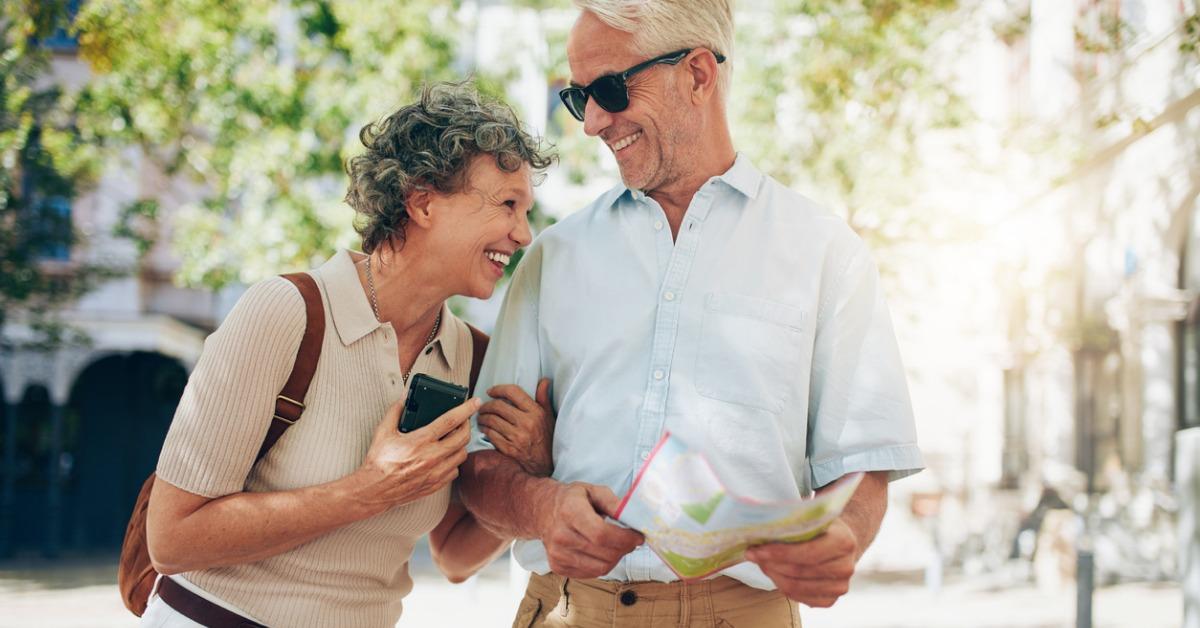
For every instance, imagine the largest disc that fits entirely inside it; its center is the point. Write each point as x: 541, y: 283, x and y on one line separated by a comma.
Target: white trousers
x: 159, y: 615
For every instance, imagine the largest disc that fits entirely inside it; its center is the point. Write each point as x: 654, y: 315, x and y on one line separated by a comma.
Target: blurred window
x: 1189, y: 377
x: 1188, y: 332
x: 62, y: 40
x: 53, y: 230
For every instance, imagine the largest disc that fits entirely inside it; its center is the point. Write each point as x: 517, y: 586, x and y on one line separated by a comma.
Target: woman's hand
x: 521, y: 428
x: 400, y: 468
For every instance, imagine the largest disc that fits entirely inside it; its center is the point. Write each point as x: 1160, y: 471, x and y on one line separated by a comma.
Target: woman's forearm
x: 187, y: 532
x: 461, y: 546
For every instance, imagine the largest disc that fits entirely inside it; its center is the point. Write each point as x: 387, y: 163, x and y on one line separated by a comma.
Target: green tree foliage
x: 832, y: 97
x: 835, y: 96
x: 260, y: 102
x: 44, y: 160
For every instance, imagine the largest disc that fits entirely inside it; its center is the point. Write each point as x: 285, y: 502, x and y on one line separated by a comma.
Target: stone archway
x: 32, y: 450
x: 116, y: 418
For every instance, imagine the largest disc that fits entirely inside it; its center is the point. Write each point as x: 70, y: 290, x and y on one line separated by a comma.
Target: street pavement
x: 84, y: 594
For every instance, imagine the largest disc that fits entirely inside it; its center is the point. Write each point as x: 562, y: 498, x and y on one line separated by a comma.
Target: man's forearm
x: 503, y: 497
x: 864, y: 512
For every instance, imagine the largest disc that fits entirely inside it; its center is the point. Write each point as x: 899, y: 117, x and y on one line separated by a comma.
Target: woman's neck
x: 407, y: 293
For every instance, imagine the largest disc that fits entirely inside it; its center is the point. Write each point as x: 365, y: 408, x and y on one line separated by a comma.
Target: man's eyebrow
x: 608, y: 72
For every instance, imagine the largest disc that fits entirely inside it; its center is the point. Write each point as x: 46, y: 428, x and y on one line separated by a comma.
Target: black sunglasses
x: 611, y: 91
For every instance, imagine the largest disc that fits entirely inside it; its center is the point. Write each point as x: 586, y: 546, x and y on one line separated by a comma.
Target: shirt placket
x: 666, y: 327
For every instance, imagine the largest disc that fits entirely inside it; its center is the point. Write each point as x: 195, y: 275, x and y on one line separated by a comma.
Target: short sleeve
x: 227, y: 405
x: 860, y: 415
x: 514, y: 353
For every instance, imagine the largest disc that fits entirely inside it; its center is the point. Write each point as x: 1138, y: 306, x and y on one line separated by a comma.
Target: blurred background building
x: 1026, y: 171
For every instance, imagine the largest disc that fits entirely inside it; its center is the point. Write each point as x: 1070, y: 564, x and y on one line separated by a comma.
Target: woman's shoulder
x: 273, y: 305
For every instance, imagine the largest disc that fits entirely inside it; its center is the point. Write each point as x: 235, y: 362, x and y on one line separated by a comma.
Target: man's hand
x: 521, y: 428
x: 815, y: 572
x: 579, y: 542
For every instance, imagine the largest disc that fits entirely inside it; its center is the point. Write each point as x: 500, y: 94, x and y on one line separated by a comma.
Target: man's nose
x: 595, y: 118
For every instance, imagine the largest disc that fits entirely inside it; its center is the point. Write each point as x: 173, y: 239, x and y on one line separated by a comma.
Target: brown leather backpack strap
x: 479, y: 343
x: 289, y: 405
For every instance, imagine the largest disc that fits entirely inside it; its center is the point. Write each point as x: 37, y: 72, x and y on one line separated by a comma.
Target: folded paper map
x: 698, y: 528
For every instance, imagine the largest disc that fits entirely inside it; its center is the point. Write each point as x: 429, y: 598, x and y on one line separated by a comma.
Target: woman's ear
x: 418, y: 206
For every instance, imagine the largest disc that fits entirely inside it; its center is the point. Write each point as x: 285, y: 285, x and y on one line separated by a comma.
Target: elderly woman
x: 320, y: 531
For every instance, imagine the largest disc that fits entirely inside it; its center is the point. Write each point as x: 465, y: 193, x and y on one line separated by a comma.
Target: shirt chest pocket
x: 750, y: 350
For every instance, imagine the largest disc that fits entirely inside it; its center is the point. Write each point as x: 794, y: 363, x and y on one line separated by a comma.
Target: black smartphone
x: 428, y: 399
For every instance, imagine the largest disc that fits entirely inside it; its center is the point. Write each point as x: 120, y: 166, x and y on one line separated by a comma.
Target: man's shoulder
x: 805, y: 216
x: 577, y: 223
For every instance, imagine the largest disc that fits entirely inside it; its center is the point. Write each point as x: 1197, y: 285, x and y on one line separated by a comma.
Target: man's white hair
x: 662, y: 26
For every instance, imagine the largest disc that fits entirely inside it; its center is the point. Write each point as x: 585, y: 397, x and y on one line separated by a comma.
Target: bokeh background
x: 1026, y: 172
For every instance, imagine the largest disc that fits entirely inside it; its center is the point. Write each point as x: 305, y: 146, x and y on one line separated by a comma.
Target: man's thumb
x: 603, y: 500
x: 543, y: 396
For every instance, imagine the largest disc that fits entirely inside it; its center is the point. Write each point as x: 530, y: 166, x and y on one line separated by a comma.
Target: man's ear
x: 703, y: 69
x: 418, y: 206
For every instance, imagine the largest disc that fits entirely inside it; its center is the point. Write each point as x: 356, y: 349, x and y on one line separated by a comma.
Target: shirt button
x: 645, y: 455
x: 659, y: 374
x: 429, y: 350
x: 658, y: 225
x: 670, y: 296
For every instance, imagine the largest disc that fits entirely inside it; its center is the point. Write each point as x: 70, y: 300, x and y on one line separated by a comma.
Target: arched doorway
x: 33, y: 440
x: 117, y: 416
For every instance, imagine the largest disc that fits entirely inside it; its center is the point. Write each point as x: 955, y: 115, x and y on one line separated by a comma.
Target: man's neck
x: 676, y: 196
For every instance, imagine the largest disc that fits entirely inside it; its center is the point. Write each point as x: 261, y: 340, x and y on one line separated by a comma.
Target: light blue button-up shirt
x: 759, y: 336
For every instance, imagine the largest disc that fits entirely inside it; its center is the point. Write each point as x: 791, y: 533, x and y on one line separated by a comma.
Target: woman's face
x: 475, y: 232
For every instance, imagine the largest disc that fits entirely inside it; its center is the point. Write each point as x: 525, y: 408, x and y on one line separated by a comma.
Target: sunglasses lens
x: 610, y: 94
x: 575, y: 100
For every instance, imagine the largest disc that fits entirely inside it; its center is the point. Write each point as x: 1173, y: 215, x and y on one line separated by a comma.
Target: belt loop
x: 709, y: 601
x: 566, y: 597
x: 685, y: 605
x: 154, y: 589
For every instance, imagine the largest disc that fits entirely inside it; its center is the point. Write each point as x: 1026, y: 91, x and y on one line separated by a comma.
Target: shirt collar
x: 349, y: 306
x: 351, y: 311
x: 742, y: 176
x: 447, y: 336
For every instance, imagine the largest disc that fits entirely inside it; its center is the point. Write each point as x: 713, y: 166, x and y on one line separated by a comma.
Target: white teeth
x: 624, y: 142
x: 499, y: 258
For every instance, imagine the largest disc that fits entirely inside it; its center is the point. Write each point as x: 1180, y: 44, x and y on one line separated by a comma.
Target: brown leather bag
x: 135, y: 574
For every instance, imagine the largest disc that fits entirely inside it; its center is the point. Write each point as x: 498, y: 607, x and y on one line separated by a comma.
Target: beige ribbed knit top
x: 355, y: 575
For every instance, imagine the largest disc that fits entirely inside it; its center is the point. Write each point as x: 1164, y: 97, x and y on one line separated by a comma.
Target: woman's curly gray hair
x: 430, y: 145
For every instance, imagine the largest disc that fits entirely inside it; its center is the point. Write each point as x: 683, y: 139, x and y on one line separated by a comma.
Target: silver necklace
x: 437, y: 322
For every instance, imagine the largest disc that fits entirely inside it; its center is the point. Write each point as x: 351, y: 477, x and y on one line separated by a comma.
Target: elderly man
x: 700, y: 297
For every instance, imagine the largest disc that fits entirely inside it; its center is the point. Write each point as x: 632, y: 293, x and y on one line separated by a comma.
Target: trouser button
x: 628, y: 598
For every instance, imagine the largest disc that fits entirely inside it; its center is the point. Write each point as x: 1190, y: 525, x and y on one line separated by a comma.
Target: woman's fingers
x: 390, y: 421
x: 451, y: 420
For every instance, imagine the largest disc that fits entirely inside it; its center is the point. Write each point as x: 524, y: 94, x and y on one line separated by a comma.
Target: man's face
x: 650, y: 138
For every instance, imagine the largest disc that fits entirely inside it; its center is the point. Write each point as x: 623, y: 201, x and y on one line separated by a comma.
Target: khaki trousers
x: 554, y: 601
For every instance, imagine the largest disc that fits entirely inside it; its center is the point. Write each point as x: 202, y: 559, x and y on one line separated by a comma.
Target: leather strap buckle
x: 291, y: 401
